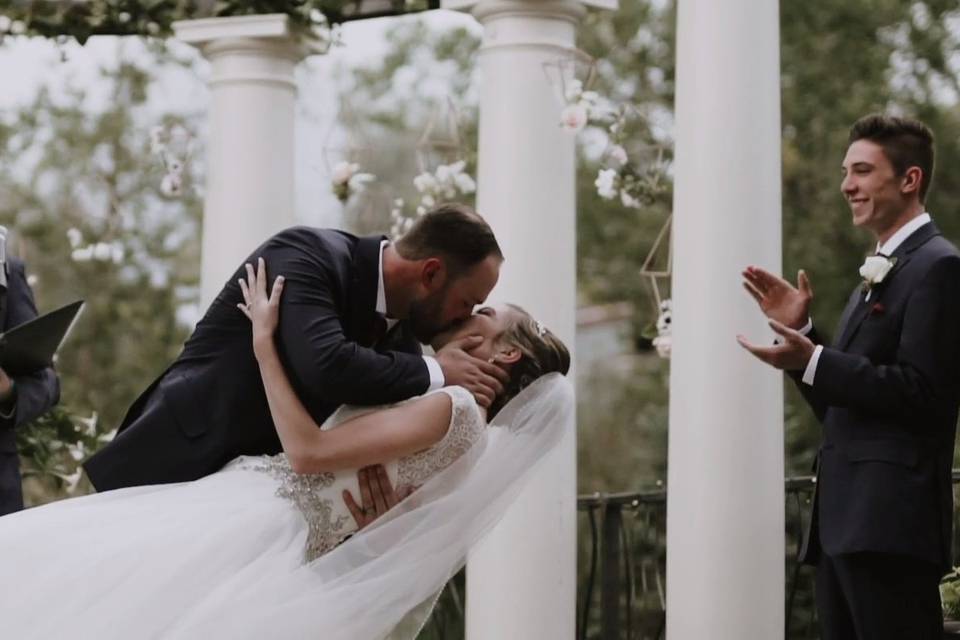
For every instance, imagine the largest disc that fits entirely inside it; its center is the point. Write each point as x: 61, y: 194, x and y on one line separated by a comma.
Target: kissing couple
x: 302, y: 469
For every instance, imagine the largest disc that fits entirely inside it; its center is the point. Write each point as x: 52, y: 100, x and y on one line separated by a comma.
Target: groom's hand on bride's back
x: 778, y: 299
x: 481, y: 378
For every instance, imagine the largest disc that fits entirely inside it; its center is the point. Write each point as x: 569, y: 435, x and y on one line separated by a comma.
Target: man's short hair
x: 454, y: 232
x: 906, y: 143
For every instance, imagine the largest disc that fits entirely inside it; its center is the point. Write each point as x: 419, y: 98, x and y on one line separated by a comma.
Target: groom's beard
x: 424, y: 319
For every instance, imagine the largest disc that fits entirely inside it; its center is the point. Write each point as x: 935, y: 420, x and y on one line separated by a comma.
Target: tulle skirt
x: 146, y: 562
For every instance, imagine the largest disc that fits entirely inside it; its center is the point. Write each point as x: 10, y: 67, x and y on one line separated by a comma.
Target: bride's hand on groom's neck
x: 261, y: 308
x: 483, y: 379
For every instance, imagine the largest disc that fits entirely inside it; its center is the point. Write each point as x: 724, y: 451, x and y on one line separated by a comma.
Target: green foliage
x: 71, y: 169
x: 81, y: 19
x: 53, y: 446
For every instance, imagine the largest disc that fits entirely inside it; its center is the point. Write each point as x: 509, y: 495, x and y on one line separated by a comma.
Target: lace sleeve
x: 467, y: 424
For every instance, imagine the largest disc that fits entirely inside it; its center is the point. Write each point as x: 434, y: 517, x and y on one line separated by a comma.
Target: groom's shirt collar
x: 381, y: 292
x: 904, y: 232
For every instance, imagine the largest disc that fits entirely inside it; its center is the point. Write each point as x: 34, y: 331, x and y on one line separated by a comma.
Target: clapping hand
x: 778, y: 299
x: 792, y: 354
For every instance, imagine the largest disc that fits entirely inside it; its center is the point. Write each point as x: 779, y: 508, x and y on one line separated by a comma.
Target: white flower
x: 158, y: 140
x: 116, y: 253
x: 407, y: 224
x: 358, y: 180
x: 606, y: 184
x: 425, y: 182
x: 421, y: 210
x: 18, y: 28
x: 75, y: 237
x: 317, y: 17
x: 574, y: 90
x: 102, y: 251
x: 445, y: 173
x: 344, y: 171
x: 153, y: 28
x: 665, y: 319
x: 589, y: 98
x: 427, y: 201
x: 32, y: 280
x: 82, y: 255
x: 123, y: 17
x: 465, y: 183
x: 663, y: 345
x: 573, y: 118
x: 628, y: 200
x: 876, y: 268
x: 90, y: 424
x: 72, y: 480
x: 174, y: 166
x: 5, y: 23
x: 77, y: 451
x: 618, y: 154
x: 171, y: 185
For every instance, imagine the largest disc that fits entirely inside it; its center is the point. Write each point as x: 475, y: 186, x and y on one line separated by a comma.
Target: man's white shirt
x: 433, y: 367
x: 887, y: 249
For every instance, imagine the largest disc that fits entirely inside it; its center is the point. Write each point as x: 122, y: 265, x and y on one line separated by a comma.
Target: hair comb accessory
x: 540, y: 328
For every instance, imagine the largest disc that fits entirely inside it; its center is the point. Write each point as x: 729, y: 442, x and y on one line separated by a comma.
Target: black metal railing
x: 622, y: 566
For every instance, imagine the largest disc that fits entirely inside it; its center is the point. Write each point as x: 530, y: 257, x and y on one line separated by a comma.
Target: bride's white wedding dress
x: 257, y: 551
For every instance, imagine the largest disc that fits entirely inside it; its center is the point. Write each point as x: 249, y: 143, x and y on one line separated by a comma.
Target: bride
x: 266, y: 547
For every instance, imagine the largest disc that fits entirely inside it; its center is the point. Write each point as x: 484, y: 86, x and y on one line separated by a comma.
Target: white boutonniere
x: 873, y: 271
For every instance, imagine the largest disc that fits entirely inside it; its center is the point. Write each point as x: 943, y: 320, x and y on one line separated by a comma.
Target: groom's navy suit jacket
x: 36, y: 392
x: 209, y: 406
x: 886, y: 393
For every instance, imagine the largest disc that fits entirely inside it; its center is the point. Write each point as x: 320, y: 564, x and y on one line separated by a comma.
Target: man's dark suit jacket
x: 209, y: 406
x: 886, y: 394
x: 36, y: 393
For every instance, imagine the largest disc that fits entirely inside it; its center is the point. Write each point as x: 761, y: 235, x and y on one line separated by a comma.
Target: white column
x: 521, y: 580
x: 725, y: 509
x: 250, y: 152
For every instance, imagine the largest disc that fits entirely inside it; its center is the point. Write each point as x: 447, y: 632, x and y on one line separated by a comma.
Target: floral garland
x: 348, y: 179
x: 81, y: 19
x: 448, y: 182
x: 620, y: 177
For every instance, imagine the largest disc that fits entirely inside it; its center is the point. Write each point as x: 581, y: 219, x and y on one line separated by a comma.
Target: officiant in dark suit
x: 353, y: 315
x: 22, y: 397
x: 886, y: 392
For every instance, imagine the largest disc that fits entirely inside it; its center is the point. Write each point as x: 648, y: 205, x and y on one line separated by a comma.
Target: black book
x: 30, y: 346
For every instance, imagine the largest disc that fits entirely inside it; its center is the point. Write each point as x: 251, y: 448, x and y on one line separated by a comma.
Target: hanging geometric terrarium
x: 441, y: 142
x: 574, y: 70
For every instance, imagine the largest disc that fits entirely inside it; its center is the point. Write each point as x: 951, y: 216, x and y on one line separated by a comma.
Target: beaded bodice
x: 318, y: 496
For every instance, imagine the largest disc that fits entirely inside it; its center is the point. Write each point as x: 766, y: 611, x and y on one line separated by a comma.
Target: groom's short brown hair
x: 906, y: 143
x: 454, y: 232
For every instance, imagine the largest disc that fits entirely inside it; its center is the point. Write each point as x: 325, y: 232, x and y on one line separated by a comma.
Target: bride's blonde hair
x: 541, y: 353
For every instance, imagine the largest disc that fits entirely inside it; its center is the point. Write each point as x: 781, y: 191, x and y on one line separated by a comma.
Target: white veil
x: 382, y: 583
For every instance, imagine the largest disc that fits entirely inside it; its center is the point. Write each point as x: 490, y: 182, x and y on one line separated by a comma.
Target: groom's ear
x: 433, y: 274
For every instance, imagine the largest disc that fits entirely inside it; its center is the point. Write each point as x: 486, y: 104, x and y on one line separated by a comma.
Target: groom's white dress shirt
x: 887, y: 249
x: 436, y: 373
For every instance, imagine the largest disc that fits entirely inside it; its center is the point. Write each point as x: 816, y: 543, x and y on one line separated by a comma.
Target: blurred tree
x: 80, y: 191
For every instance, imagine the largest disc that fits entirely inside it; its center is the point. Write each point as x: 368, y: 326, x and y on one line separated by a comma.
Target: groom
x: 353, y: 315
x: 886, y: 392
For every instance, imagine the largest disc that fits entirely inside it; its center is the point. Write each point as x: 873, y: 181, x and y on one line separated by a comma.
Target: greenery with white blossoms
x: 663, y: 342
x: 174, y: 145
x: 347, y: 179
x: 63, y: 19
x: 83, y: 251
x: 53, y: 446
x: 620, y: 177
x: 449, y: 182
